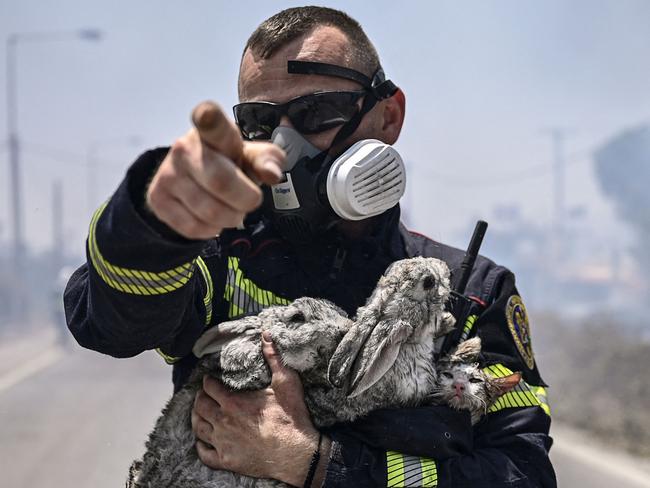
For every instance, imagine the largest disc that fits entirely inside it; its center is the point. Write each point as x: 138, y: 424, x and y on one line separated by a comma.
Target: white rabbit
x: 390, y: 346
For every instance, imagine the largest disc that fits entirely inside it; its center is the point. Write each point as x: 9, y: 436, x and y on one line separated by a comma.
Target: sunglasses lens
x: 257, y: 120
x: 322, y: 111
x: 308, y: 114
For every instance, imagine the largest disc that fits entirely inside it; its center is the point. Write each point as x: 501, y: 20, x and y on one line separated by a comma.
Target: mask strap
x: 378, y: 88
x: 349, y: 127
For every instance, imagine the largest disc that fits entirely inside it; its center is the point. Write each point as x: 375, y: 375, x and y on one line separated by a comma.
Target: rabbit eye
x: 297, y: 317
x: 428, y: 283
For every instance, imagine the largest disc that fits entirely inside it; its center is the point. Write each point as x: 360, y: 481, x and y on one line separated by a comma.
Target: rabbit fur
x: 348, y: 368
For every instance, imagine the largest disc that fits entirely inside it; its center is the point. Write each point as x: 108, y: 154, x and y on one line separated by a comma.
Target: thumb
x: 282, y: 377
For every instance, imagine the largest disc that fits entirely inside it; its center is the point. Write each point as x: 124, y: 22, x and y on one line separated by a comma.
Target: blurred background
x: 534, y: 116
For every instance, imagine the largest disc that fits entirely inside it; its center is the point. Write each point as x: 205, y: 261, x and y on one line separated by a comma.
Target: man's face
x: 267, y: 79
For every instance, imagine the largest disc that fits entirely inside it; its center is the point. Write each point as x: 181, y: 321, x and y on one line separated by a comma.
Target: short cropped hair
x: 292, y: 23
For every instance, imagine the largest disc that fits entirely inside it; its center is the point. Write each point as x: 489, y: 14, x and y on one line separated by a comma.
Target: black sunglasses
x: 309, y: 114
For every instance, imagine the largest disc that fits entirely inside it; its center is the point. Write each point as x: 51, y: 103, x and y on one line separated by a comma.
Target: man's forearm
x: 138, y: 287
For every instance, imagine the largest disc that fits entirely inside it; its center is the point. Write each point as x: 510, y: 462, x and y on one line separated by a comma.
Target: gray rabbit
x: 305, y: 333
x: 383, y: 359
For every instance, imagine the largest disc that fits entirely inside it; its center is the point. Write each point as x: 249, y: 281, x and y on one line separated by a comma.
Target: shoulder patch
x: 517, y: 318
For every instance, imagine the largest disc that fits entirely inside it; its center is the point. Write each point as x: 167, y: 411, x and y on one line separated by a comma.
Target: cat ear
x: 507, y: 383
x: 467, y: 351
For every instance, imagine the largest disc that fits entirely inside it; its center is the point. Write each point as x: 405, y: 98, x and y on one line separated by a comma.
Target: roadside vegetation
x: 599, y: 373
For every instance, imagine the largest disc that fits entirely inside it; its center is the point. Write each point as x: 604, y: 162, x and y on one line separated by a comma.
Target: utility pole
x: 58, y: 250
x: 559, y: 182
x: 18, y: 304
x: 14, y: 158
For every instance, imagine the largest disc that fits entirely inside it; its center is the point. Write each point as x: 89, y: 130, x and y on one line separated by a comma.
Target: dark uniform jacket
x: 144, y: 287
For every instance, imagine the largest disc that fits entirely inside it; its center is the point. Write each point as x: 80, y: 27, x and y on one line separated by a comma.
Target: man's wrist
x: 298, y: 466
x: 321, y: 469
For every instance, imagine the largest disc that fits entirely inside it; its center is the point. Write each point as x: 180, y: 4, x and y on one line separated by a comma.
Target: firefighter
x: 156, y: 277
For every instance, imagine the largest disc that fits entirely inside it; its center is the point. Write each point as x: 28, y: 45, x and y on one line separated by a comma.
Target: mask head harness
x: 378, y: 88
x: 319, y: 188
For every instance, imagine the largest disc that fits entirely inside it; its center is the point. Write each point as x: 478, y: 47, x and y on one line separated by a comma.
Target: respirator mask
x: 319, y: 188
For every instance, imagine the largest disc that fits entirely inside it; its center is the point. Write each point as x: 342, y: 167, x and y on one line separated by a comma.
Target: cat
x: 463, y: 385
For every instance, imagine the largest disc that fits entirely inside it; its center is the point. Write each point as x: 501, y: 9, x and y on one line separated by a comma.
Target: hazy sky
x: 484, y: 80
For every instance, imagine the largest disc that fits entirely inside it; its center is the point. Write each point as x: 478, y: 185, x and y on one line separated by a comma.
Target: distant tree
x: 623, y: 170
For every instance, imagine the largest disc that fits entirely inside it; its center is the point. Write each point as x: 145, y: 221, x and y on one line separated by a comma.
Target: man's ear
x: 394, y: 110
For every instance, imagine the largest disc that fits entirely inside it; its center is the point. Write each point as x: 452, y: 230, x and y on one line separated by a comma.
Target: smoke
x: 623, y: 170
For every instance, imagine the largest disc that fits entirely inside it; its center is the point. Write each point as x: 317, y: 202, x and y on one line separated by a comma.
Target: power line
x: 539, y: 170
x: 66, y: 157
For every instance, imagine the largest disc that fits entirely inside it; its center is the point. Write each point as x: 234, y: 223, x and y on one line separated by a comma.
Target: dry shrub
x: 599, y: 377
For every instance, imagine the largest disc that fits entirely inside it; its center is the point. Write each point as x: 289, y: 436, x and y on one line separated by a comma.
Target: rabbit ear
x: 215, y: 338
x: 346, y: 353
x: 366, y: 353
x: 377, y: 359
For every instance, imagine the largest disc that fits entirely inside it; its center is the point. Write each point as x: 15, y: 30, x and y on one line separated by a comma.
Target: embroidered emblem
x: 520, y: 329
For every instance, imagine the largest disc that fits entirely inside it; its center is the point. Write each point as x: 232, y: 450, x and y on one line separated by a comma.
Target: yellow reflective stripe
x: 207, y: 299
x: 133, y: 281
x: 467, y: 328
x: 403, y: 470
x: 514, y: 399
x: 394, y: 469
x: 429, y: 472
x: 523, y: 395
x: 540, y: 392
x: 168, y: 359
x: 245, y: 296
x: 498, y: 371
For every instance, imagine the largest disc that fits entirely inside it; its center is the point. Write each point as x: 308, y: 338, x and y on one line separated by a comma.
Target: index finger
x: 217, y: 131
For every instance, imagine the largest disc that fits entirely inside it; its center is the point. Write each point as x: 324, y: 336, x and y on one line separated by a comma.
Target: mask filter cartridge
x: 366, y: 180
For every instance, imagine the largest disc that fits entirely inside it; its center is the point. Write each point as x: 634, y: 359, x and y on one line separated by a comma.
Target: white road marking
x: 30, y: 367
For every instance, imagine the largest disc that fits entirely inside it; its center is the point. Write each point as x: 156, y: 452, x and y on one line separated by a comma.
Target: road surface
x: 79, y: 418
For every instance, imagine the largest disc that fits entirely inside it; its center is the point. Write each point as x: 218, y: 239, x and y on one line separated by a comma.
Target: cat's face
x: 463, y: 386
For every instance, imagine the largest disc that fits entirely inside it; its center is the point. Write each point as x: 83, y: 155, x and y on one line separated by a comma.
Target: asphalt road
x: 79, y: 419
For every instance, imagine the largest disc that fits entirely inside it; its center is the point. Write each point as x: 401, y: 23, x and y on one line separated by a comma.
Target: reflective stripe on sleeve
x: 467, y: 328
x: 168, y: 359
x: 244, y: 296
x: 522, y: 395
x: 403, y: 470
x: 207, y: 299
x: 133, y: 281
